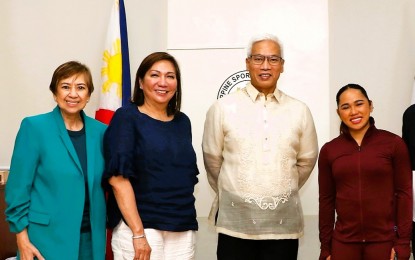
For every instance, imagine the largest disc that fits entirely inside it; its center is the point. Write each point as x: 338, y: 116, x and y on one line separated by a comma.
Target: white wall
x: 328, y: 44
x: 37, y: 36
x: 372, y: 43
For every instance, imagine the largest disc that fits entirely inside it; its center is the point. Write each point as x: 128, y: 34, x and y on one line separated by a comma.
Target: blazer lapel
x: 91, y: 140
x: 63, y: 133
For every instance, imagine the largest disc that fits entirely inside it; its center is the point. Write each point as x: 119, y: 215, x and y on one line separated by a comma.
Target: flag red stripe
x: 104, y: 115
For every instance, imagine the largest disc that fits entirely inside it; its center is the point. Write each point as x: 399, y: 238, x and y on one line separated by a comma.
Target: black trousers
x: 232, y: 248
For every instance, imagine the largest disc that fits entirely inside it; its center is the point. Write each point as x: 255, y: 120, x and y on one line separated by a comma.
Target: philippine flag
x: 115, y: 73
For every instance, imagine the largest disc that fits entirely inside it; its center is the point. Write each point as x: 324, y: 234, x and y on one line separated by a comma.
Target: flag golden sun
x: 112, y: 69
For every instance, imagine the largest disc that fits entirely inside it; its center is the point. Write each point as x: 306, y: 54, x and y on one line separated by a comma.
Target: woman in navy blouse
x: 151, y: 168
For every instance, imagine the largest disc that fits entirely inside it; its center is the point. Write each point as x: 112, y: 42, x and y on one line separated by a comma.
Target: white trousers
x: 165, y: 245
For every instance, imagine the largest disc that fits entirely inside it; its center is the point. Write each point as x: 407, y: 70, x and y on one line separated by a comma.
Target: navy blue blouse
x: 159, y: 159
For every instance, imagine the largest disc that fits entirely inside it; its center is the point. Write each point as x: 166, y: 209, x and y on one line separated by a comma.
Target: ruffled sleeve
x: 119, y: 146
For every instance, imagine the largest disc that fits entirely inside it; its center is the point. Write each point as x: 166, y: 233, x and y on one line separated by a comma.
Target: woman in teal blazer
x: 55, y: 202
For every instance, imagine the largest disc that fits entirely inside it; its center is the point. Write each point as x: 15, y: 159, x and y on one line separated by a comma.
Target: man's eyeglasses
x: 258, y: 59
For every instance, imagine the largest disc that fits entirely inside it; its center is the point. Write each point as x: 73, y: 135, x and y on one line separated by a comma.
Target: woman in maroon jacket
x: 365, y: 178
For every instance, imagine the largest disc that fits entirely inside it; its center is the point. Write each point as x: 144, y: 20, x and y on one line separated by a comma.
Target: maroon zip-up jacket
x: 369, y: 187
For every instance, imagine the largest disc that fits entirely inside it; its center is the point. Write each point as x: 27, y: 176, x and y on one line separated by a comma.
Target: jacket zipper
x: 360, y: 193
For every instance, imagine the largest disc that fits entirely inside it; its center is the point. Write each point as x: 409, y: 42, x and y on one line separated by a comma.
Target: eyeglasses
x: 273, y: 60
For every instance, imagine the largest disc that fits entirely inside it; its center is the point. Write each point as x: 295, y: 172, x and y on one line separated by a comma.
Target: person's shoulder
x: 181, y: 117
x: 335, y: 140
x: 38, y: 119
x: 38, y: 124
x: 95, y: 123
x: 292, y: 100
x: 410, y: 111
x: 296, y: 106
x: 225, y: 99
x: 125, y: 111
x: 334, y: 143
x: 181, y: 114
x: 127, y: 108
x: 333, y: 148
x: 229, y: 101
x: 217, y: 103
x: 387, y: 134
x: 231, y: 98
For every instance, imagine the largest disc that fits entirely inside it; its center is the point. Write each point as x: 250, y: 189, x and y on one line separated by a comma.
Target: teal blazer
x: 45, y: 191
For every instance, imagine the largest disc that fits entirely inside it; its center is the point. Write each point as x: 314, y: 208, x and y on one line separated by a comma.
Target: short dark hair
x: 69, y: 69
x: 138, y: 96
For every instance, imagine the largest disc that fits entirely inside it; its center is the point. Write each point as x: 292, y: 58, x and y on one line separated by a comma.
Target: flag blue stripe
x: 126, y: 76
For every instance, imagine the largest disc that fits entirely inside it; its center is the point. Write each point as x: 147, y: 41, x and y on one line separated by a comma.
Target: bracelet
x: 139, y: 236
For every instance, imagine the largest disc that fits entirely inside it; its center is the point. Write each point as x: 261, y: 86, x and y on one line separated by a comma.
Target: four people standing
x: 259, y: 148
x: 365, y: 179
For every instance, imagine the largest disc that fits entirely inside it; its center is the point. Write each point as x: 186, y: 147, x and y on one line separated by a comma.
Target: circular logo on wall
x: 233, y: 82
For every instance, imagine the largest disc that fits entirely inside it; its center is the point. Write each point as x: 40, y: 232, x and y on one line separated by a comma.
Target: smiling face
x: 159, y: 83
x: 264, y: 77
x: 354, y: 110
x: 72, y: 94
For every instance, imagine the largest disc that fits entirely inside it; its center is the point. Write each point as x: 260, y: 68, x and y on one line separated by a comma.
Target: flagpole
x: 126, y: 75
